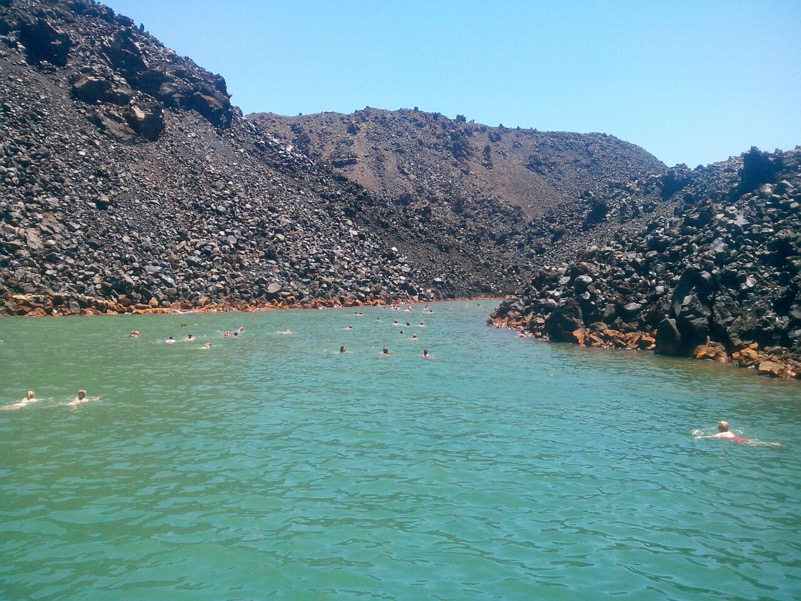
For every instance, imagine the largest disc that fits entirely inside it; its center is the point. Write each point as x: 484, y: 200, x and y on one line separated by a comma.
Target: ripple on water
x: 272, y: 467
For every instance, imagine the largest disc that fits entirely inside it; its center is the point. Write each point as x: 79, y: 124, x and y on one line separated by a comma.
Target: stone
x: 565, y: 319
x: 146, y: 119
x: 771, y: 368
x: 668, y: 338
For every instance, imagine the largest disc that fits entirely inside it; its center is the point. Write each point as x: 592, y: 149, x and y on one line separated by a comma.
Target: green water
x: 271, y: 467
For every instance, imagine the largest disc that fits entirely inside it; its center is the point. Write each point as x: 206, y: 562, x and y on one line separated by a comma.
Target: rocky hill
x: 719, y: 279
x: 480, y: 202
x: 129, y: 181
x: 409, y: 156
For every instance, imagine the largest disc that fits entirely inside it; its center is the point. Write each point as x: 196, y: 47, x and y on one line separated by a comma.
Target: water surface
x: 272, y: 467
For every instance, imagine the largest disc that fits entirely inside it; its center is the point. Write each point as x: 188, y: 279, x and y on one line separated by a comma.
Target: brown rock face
x: 146, y: 119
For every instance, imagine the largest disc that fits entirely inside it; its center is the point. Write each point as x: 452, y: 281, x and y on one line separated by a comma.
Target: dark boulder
x: 215, y: 108
x: 146, y: 119
x: 668, y: 338
x: 564, y: 320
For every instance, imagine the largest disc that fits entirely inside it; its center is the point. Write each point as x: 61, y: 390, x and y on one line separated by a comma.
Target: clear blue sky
x: 690, y: 81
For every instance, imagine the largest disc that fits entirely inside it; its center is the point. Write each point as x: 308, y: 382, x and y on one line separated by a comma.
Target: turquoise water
x: 272, y: 467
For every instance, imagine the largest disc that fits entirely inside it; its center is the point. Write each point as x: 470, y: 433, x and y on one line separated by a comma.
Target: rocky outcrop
x: 469, y: 201
x: 129, y: 183
x: 717, y: 280
x: 117, y: 68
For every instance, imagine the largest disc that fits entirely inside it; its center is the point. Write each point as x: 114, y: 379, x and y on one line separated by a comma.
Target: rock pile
x: 129, y: 183
x: 718, y: 280
x: 474, y: 203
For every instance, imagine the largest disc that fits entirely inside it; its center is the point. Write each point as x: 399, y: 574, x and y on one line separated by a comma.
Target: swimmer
x: 402, y: 332
x: 395, y: 323
x: 227, y: 334
x: 81, y: 398
x: 348, y: 329
x: 183, y: 325
x: 170, y: 340
x: 385, y: 352
x: 29, y: 398
x: 287, y: 331
x: 342, y: 350
x: 190, y: 337
x: 724, y: 432
x: 422, y: 325
x: 241, y: 328
x: 377, y: 319
x: 134, y: 334
x: 206, y: 346
x: 425, y: 354
x: 414, y: 336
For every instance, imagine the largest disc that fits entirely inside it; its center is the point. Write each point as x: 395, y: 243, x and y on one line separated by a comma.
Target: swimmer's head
x: 31, y: 394
x: 81, y: 394
x: 342, y: 349
x: 723, y: 426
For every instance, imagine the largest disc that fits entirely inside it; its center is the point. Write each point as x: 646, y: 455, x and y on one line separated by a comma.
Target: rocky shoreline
x: 720, y: 280
x: 774, y: 362
x: 27, y: 305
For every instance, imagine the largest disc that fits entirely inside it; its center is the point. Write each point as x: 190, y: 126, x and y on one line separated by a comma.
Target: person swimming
x: 205, y: 346
x: 347, y: 329
x: 342, y: 350
x: 425, y: 354
x: 170, y: 340
x: 81, y: 398
x: 29, y: 398
x: 414, y: 336
x: 134, y: 334
x: 724, y: 432
x: 287, y: 331
x: 385, y: 352
x: 190, y: 337
x: 227, y: 334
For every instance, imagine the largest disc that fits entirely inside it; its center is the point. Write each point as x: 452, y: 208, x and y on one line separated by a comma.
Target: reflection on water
x: 271, y: 466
